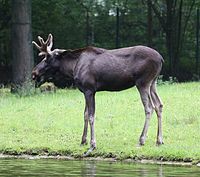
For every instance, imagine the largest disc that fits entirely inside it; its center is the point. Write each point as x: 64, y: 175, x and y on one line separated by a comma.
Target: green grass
x: 53, y: 124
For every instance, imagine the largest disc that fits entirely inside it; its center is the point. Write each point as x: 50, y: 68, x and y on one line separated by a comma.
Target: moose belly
x: 114, y: 83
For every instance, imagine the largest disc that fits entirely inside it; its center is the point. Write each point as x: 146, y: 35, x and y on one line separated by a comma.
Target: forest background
x: 169, y: 26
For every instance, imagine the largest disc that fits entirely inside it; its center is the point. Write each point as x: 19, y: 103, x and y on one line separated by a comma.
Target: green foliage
x: 171, y: 80
x: 64, y: 19
x: 53, y: 124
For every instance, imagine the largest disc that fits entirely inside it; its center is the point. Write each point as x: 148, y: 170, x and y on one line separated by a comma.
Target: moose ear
x: 59, y: 52
x: 64, y: 53
x: 69, y: 53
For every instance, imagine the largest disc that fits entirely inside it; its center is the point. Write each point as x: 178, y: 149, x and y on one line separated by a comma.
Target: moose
x: 95, y: 69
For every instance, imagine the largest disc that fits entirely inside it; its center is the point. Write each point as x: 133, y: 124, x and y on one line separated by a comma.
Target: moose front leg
x: 84, y: 136
x: 90, y: 103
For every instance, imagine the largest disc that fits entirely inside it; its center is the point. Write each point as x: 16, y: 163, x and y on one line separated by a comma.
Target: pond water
x: 52, y: 167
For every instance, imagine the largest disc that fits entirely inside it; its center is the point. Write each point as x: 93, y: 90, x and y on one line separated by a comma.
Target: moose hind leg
x: 158, y: 108
x: 148, y: 108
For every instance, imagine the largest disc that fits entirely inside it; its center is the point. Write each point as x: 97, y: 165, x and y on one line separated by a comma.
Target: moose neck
x: 71, y: 58
x: 68, y: 63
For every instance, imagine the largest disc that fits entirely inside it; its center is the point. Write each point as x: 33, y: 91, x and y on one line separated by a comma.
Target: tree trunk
x: 169, y: 35
x: 21, y: 38
x: 117, y: 28
x: 178, y: 34
x: 149, y: 23
x: 87, y: 28
x: 197, y: 43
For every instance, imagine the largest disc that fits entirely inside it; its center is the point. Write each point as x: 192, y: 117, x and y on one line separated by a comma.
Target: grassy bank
x: 53, y: 123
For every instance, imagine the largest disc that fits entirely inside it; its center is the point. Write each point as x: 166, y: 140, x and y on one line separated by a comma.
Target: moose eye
x: 48, y: 60
x: 57, y: 56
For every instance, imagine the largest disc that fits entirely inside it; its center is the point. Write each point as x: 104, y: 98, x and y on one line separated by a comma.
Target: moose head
x: 48, y: 68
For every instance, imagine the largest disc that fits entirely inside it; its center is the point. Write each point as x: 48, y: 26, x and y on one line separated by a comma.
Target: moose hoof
x: 158, y: 143
x: 141, y: 142
x: 86, y: 154
x: 83, y: 143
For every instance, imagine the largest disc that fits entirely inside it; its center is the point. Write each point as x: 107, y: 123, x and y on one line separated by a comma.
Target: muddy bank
x: 129, y: 160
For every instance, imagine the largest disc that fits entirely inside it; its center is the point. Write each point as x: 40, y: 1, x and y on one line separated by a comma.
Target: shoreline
x: 128, y: 160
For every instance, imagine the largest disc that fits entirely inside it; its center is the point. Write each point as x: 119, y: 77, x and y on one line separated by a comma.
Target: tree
x: 149, y: 23
x: 5, y: 18
x: 197, y: 43
x: 173, y: 16
x: 21, y: 39
x: 88, y: 6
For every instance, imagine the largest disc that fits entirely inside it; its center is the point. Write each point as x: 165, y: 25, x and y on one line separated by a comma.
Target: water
x: 52, y: 167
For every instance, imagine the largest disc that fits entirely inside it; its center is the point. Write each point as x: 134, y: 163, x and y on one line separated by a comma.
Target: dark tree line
x: 169, y: 26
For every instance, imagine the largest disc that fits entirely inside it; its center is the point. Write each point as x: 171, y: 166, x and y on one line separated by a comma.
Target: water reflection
x: 88, y: 169
x: 50, y: 167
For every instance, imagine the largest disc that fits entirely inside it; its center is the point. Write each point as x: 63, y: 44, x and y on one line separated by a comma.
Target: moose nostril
x: 34, y: 75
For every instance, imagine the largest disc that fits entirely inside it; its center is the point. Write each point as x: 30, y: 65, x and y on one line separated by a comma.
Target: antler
x: 45, y: 47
